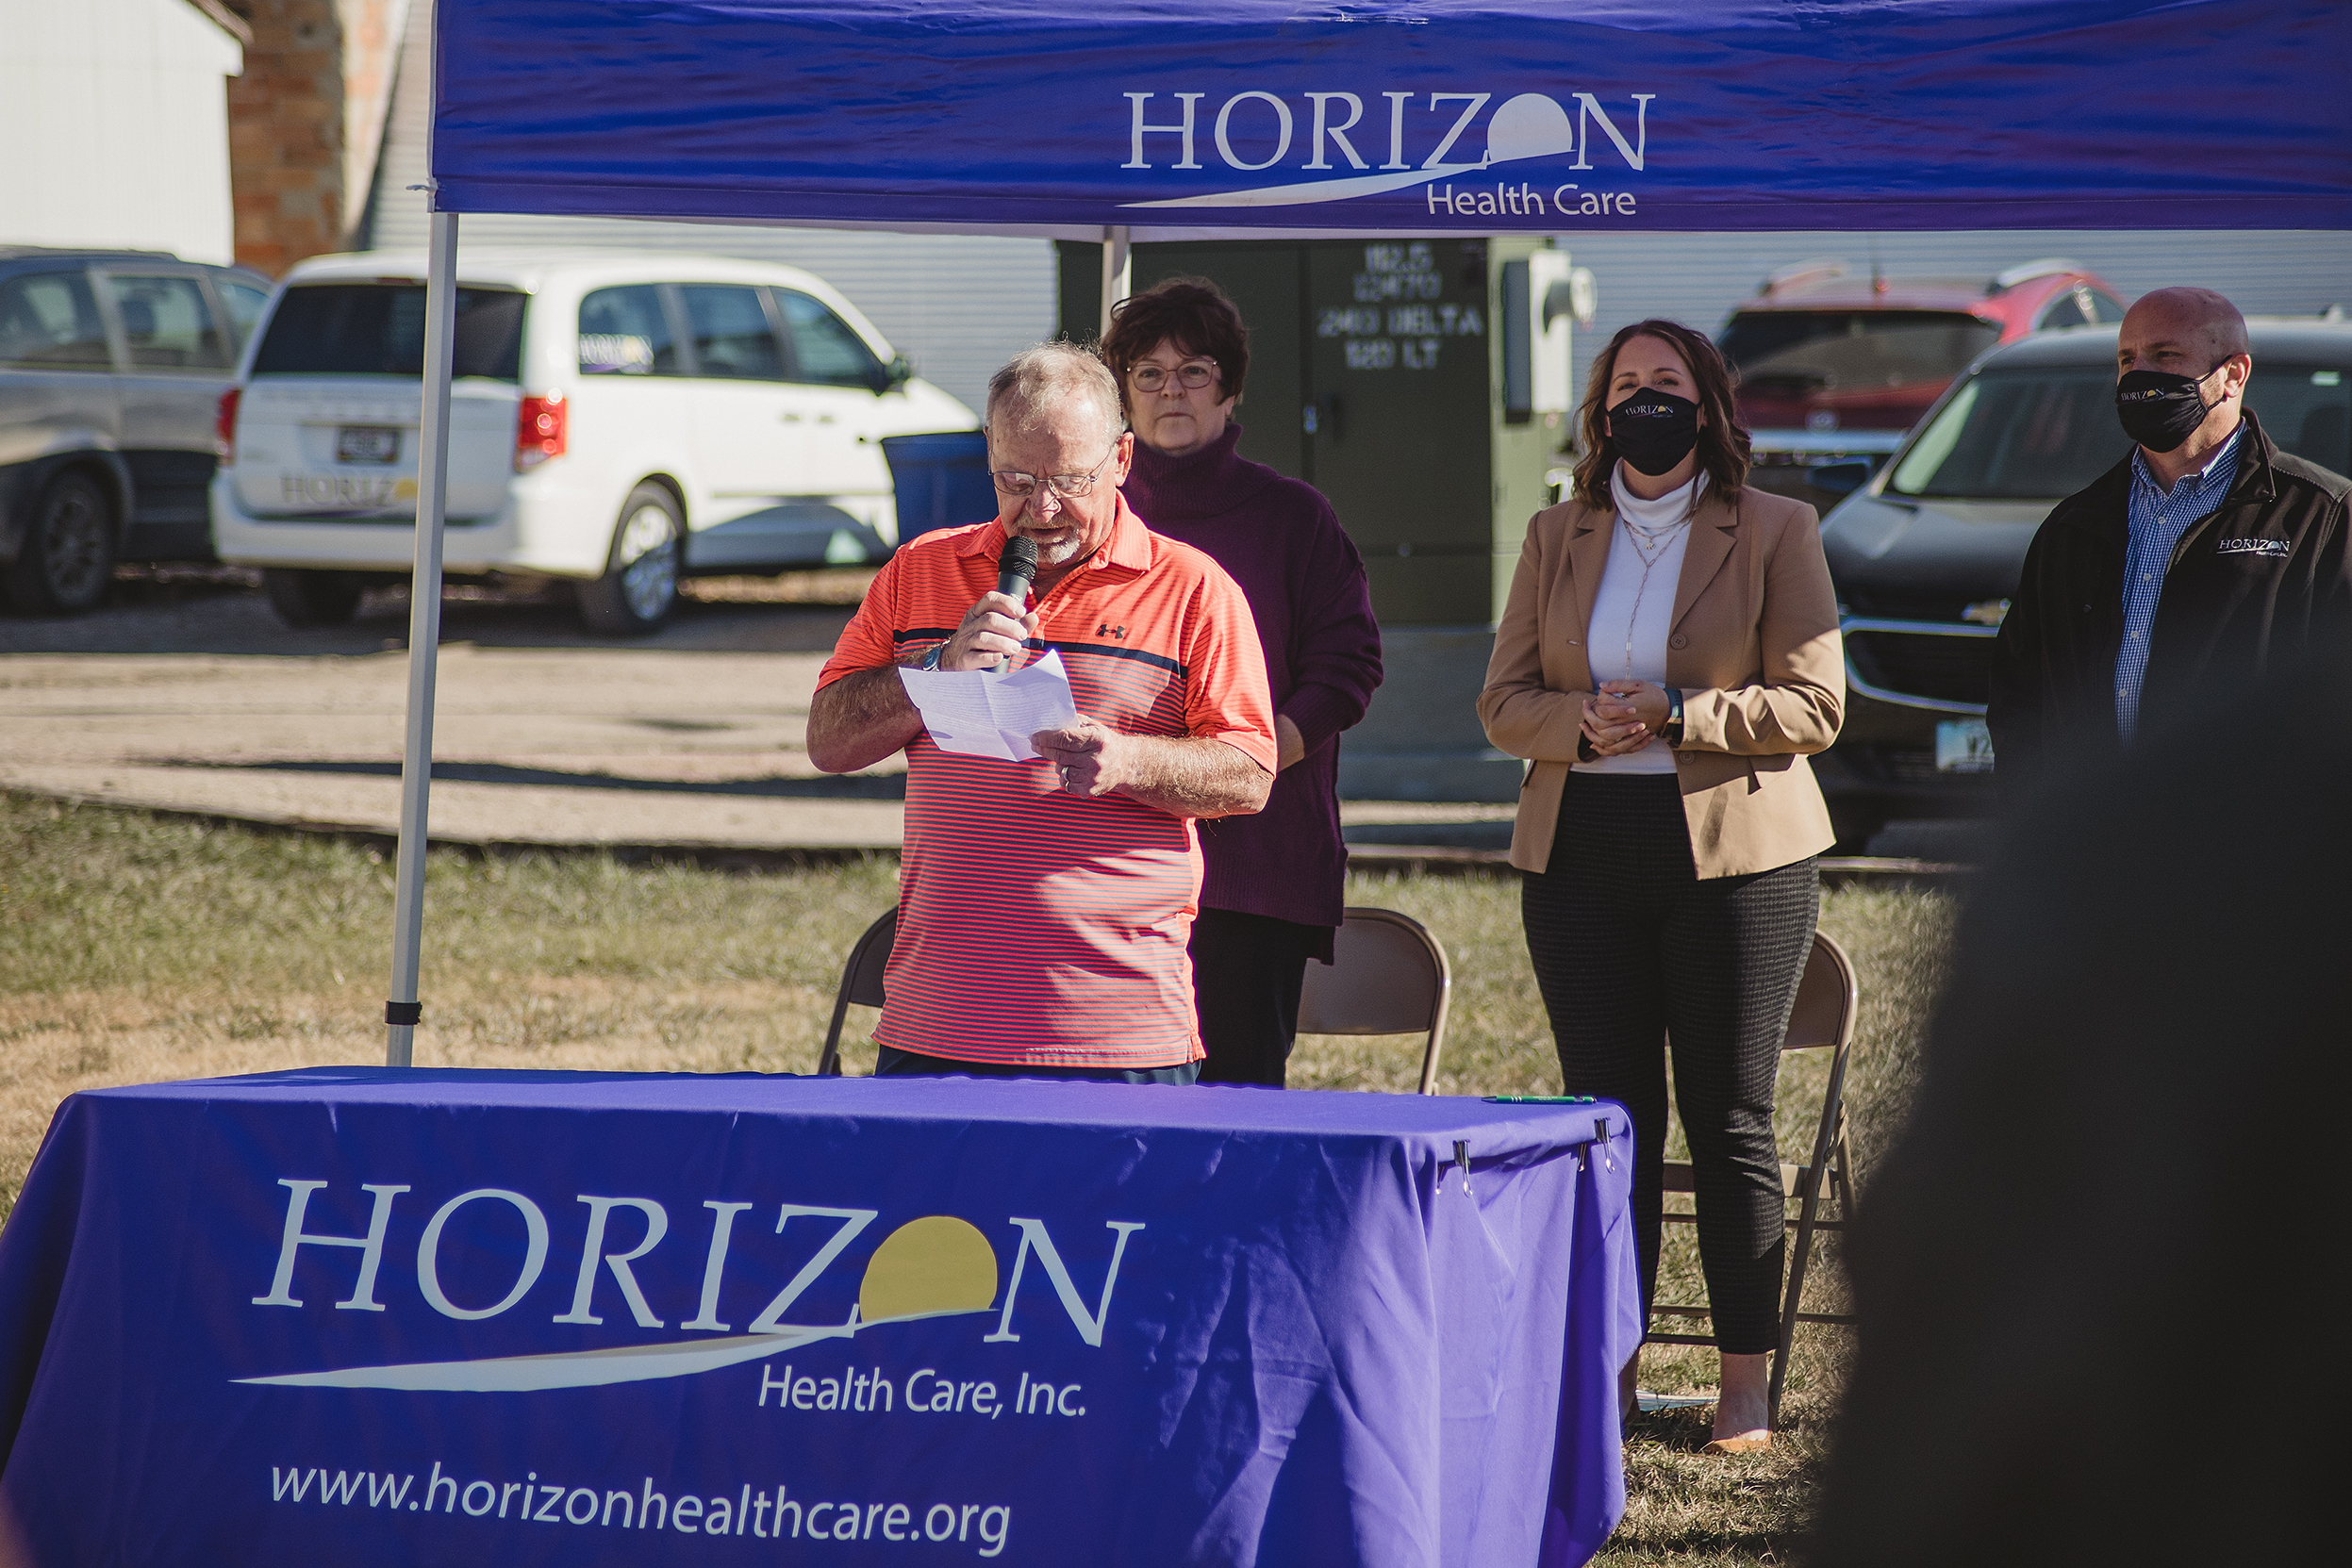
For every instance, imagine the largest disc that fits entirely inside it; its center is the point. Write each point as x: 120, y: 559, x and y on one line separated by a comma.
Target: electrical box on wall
x: 1542, y: 298
x: 1549, y: 293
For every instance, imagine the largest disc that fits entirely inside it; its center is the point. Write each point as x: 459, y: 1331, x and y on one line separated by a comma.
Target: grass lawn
x: 134, y: 948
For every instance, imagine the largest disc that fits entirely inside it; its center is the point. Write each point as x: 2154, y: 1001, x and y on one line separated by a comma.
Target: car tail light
x: 540, y: 427
x: 225, y: 426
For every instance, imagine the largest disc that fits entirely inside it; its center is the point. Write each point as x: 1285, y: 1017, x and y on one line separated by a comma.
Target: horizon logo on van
x: 933, y: 1265
x: 1255, y: 130
x: 628, y: 353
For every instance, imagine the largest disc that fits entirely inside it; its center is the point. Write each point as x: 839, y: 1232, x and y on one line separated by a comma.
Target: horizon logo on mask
x: 1654, y: 430
x: 2159, y: 409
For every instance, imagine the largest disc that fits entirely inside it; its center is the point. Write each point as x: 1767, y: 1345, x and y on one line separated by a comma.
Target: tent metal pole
x: 1118, y: 272
x: 401, y: 1012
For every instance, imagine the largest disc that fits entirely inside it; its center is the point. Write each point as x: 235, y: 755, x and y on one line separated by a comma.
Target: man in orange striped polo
x: 1044, y: 906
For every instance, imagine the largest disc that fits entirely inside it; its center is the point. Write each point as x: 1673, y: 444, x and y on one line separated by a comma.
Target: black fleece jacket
x: 2253, y: 584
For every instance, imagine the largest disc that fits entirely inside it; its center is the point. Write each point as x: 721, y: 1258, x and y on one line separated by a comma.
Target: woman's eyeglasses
x: 1069, y: 487
x: 1192, y: 374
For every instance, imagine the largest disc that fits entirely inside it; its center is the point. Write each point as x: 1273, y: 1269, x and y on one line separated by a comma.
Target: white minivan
x: 617, y: 418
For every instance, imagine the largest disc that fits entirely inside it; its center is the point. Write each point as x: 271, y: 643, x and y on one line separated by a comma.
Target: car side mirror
x: 1843, y: 477
x: 897, y: 373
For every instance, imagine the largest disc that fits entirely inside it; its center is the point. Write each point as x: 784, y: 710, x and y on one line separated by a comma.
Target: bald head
x: 2196, y: 323
x: 2194, y: 333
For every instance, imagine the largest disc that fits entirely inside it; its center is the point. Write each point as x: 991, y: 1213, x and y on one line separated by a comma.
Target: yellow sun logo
x: 926, y: 1268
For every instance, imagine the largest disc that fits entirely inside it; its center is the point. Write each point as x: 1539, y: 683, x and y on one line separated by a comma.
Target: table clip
x: 1461, y: 1158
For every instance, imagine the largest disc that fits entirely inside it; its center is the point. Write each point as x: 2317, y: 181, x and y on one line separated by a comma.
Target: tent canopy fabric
x: 1063, y: 117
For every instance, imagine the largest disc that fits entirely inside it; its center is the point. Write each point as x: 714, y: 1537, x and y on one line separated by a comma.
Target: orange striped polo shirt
x: 1035, y: 926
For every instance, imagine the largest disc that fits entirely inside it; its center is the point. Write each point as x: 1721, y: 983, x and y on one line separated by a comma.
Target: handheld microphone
x: 1017, y: 568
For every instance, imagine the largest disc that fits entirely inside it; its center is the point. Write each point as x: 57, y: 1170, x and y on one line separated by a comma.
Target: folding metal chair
x: 1388, y: 976
x: 861, y: 983
x: 1822, y: 1019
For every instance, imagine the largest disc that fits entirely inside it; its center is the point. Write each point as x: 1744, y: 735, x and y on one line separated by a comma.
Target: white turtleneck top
x: 1616, y: 622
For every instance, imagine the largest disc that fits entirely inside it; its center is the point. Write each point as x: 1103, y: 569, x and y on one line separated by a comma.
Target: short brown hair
x: 1190, y: 312
x: 1722, y: 440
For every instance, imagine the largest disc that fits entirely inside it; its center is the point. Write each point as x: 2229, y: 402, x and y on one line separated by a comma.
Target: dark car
x: 1927, y: 554
x: 1836, y: 365
x: 112, y: 364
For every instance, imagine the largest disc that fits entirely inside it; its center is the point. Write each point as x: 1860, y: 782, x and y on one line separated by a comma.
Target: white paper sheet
x: 983, y: 714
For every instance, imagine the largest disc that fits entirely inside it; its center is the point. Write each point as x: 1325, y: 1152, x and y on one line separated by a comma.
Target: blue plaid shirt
x: 2156, y: 522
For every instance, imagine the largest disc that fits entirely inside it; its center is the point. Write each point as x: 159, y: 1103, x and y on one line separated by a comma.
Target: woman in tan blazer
x: 1668, y: 657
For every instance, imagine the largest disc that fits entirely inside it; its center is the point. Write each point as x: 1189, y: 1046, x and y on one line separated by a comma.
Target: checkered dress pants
x: 1631, y: 947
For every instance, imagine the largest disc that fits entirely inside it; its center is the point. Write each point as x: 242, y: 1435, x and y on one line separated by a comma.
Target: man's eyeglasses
x: 1069, y: 487
x: 1192, y: 375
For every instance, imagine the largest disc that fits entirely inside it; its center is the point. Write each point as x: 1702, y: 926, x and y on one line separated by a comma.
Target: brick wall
x: 304, y: 123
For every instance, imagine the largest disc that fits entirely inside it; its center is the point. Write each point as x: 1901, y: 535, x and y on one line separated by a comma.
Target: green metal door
x: 1397, y: 382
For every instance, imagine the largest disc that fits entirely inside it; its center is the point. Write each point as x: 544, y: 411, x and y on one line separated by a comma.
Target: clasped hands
x: 1089, y: 758
x: 1623, y: 716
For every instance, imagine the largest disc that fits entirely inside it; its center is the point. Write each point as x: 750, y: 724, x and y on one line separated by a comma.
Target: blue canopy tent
x: 1124, y: 120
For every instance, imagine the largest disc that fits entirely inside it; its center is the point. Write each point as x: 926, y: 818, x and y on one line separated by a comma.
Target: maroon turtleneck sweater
x: 1279, y: 539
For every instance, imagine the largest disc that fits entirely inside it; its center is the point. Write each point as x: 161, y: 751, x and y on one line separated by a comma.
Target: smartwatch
x: 1671, y: 731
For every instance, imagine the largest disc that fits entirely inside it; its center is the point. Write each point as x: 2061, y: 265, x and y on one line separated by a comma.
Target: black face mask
x: 2158, y: 409
x: 1654, y: 430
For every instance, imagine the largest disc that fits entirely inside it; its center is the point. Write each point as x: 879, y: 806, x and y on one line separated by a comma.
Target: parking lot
x: 192, y: 697
x: 186, y: 693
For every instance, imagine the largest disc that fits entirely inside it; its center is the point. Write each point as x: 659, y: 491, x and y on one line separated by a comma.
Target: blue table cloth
x: 367, y: 1316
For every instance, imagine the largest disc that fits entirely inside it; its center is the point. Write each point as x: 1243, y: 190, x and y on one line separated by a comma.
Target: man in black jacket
x: 2206, y: 548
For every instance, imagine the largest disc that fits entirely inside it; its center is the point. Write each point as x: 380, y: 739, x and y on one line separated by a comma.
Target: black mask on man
x: 1654, y: 430
x: 2158, y: 409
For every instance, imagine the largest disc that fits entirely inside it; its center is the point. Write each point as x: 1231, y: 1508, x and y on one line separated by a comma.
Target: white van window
x: 378, y: 329
x: 732, y: 337
x: 825, y: 349
x: 49, y: 322
x: 167, y: 323
x: 627, y: 332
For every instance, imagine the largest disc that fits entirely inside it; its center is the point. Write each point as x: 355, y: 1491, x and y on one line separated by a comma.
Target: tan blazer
x: 1754, y: 649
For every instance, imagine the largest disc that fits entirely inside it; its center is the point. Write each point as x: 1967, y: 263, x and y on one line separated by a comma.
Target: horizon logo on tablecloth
x: 1255, y: 130
x: 934, y: 1265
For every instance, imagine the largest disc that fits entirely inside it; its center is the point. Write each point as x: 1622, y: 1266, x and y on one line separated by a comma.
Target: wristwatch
x: 939, y: 651
x: 1671, y: 731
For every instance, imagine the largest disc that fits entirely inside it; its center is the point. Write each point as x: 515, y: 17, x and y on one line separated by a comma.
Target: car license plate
x: 1964, y: 746
x: 367, y: 444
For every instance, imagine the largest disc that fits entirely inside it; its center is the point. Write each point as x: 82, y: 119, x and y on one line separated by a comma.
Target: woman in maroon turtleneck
x: 1272, y: 894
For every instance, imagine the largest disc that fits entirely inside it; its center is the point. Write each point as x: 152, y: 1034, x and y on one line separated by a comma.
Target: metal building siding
x: 1701, y: 279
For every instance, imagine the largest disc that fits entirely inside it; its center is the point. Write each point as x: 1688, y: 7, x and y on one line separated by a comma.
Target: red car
x: 1835, y: 365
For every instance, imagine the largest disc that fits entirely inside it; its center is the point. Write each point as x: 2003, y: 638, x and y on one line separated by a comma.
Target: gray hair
x: 1036, y: 382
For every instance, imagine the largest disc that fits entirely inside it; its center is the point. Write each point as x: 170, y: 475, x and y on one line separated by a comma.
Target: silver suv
x: 112, y: 364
